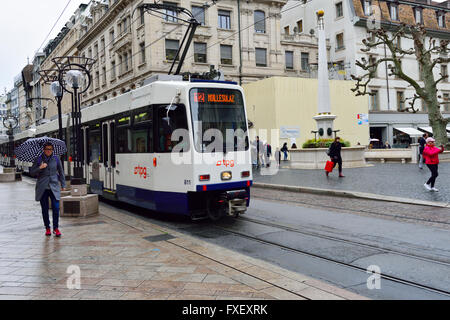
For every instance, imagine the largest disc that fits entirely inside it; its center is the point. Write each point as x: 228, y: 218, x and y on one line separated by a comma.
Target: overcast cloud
x: 24, y: 24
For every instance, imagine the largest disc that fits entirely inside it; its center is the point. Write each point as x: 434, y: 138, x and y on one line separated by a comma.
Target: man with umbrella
x: 49, y: 171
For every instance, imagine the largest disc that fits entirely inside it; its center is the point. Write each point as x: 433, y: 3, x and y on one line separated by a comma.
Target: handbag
x: 329, y: 166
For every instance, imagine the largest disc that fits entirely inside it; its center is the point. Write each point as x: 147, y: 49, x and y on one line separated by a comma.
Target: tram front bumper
x: 237, y: 201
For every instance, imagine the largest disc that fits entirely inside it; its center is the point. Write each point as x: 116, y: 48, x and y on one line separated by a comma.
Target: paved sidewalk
x: 393, y: 180
x: 123, y: 257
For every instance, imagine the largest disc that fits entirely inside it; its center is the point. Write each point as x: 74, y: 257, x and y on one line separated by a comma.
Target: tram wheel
x: 215, y: 210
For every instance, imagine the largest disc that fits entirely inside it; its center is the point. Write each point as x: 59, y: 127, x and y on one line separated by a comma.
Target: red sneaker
x: 48, y: 232
x: 57, y: 233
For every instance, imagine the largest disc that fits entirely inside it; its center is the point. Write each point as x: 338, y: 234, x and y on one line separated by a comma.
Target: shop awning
x: 413, y: 133
x: 427, y: 129
x: 430, y: 130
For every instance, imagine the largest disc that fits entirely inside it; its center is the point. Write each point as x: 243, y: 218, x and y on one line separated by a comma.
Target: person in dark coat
x: 285, y: 150
x: 335, y: 155
x: 269, y: 154
x: 278, y: 156
x: 50, y: 181
x: 422, y: 142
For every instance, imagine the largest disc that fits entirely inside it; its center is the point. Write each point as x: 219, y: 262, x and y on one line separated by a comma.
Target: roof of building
x: 406, y: 12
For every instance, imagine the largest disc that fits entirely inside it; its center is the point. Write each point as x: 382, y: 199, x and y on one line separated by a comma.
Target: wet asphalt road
x: 411, y: 251
x: 421, y: 252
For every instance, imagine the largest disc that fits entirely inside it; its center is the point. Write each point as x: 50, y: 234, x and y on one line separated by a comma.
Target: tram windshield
x: 218, y: 118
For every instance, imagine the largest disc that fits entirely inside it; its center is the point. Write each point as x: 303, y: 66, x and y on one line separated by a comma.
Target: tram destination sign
x: 202, y: 97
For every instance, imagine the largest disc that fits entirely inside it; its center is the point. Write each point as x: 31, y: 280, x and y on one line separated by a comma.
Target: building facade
x: 242, y: 39
x: 346, y: 24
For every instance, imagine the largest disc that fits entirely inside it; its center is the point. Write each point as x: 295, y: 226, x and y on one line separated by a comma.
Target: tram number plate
x: 187, y: 182
x: 199, y: 97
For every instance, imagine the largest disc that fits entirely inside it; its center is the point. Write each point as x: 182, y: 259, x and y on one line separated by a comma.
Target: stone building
x: 243, y: 39
x: 65, y: 44
x: 346, y: 26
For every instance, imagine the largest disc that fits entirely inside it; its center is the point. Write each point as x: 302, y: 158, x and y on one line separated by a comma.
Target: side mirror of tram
x: 169, y: 108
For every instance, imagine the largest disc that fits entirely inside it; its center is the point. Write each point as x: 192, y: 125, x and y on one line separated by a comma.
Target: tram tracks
x: 388, y: 277
x: 356, y: 210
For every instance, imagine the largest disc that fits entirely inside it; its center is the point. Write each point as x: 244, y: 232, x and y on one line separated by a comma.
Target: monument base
x: 79, y: 206
x: 7, y: 177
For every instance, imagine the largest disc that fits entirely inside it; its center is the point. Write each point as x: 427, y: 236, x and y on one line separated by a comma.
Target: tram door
x: 109, y: 162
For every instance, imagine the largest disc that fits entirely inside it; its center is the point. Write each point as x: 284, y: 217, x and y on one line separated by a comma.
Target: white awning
x: 427, y: 129
x: 413, y: 133
x: 430, y: 130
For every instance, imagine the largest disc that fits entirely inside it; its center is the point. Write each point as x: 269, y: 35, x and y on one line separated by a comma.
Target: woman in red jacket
x: 431, y: 155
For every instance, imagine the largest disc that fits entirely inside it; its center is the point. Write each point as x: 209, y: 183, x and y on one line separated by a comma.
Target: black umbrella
x: 33, y: 148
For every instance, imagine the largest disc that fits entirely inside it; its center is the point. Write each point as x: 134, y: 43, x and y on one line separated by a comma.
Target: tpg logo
x: 226, y: 163
x: 141, y: 171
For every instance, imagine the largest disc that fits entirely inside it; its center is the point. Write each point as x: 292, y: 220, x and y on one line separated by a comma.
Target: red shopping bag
x: 329, y: 166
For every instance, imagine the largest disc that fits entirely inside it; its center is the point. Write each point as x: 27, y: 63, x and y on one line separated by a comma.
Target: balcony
x: 122, y: 40
x: 299, y: 38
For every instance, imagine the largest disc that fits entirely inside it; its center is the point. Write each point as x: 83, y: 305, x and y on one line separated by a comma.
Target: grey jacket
x: 51, y: 176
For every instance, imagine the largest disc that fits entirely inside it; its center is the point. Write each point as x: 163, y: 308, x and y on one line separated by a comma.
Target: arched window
x: 260, y: 21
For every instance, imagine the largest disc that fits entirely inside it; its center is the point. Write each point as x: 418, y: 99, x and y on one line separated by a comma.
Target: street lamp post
x: 11, y: 122
x: 57, y: 92
x: 50, y: 77
x: 74, y: 77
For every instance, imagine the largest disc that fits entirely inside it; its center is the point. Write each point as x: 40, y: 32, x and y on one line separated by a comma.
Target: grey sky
x: 24, y: 24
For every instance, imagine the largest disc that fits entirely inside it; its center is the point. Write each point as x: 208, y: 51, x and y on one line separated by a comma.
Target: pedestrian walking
x: 278, y: 156
x: 257, y: 153
x: 431, y: 155
x: 422, y: 142
x: 335, y: 155
x: 387, y: 145
x: 285, y: 150
x: 49, y: 171
x: 268, y: 154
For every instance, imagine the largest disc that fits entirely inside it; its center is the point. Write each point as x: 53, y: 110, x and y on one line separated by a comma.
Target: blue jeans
x: 55, y: 209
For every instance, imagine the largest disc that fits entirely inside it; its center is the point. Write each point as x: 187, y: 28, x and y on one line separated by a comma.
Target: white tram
x: 160, y: 147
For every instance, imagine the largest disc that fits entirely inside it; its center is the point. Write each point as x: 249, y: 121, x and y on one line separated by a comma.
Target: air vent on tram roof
x: 214, y: 81
x: 162, y: 77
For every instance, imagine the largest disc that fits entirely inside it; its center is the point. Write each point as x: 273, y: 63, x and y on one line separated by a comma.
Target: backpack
x: 328, y: 151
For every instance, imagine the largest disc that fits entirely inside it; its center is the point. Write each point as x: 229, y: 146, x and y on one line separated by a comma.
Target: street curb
x: 350, y: 194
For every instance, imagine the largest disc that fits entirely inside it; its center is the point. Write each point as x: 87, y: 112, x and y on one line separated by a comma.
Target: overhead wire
x: 206, y: 6
x: 249, y: 26
x: 54, y: 25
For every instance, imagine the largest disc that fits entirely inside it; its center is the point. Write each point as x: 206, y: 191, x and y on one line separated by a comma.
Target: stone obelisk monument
x: 324, y: 117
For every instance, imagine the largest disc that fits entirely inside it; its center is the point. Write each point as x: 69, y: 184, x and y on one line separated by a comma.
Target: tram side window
x: 95, y: 145
x: 123, y: 132
x: 167, y: 122
x: 142, y: 132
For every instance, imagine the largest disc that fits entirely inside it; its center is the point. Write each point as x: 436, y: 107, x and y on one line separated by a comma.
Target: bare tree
x: 429, y: 54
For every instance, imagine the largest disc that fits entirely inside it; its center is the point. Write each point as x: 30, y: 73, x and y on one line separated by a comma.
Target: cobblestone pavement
x: 124, y: 257
x: 398, y: 180
x: 426, y: 215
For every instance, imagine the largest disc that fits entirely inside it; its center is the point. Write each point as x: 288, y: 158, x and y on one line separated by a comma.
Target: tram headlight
x: 226, y: 175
